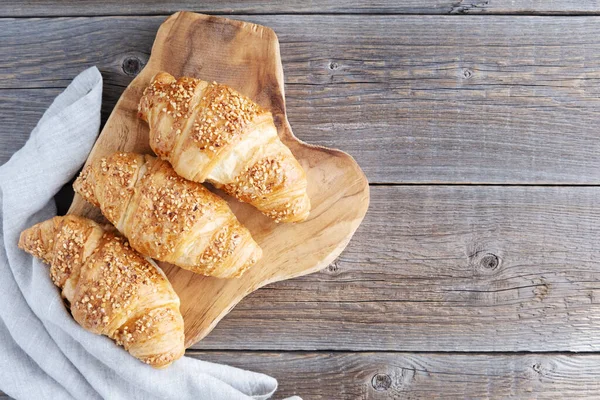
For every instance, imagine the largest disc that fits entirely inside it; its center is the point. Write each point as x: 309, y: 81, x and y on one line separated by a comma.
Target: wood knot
x: 541, y: 289
x: 333, y: 65
x: 467, y: 6
x: 467, y: 73
x: 333, y: 267
x: 132, y: 66
x: 381, y: 382
x: 490, y: 261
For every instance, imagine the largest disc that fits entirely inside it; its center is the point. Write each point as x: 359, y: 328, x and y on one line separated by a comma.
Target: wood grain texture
x: 378, y: 376
x: 19, y: 112
x: 244, y: 56
x: 422, y: 376
x: 14, y: 8
x: 443, y: 268
x: 416, y: 99
x: 440, y: 100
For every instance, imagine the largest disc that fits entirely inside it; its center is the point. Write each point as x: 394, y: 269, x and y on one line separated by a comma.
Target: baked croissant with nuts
x: 112, y: 289
x: 167, y: 217
x: 210, y: 132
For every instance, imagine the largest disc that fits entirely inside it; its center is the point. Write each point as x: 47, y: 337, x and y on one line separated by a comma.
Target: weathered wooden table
x: 475, y: 273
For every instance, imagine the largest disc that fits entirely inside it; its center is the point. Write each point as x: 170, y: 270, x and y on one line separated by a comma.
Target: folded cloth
x: 44, y: 353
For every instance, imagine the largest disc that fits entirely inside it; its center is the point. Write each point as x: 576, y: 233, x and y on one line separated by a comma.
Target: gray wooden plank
x: 21, y: 109
x: 424, y: 376
x: 341, y: 375
x: 413, y: 99
x: 443, y: 268
x: 15, y: 8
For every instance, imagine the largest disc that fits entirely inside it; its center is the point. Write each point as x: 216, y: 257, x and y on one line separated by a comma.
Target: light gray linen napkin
x: 44, y: 353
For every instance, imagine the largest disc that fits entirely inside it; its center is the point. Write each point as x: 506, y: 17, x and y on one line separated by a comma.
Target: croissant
x: 167, y: 217
x: 112, y: 290
x: 209, y: 132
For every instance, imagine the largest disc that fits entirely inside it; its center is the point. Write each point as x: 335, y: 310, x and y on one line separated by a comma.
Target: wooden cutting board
x: 246, y: 57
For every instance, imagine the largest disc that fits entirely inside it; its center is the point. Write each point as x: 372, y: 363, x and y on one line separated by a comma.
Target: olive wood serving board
x: 246, y: 57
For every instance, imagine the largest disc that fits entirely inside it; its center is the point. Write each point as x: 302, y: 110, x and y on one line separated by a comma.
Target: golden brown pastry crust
x: 112, y: 289
x: 209, y: 132
x: 167, y: 217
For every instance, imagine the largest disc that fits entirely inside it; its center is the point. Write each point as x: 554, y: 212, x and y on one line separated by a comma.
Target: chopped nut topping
x: 223, y: 115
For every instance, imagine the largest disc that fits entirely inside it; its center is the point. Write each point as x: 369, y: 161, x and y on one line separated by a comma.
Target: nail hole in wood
x: 333, y: 65
x: 467, y: 73
x: 132, y: 66
x: 490, y: 261
x: 381, y: 382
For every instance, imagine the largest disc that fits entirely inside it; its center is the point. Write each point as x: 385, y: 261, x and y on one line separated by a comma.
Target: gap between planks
x: 216, y: 350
